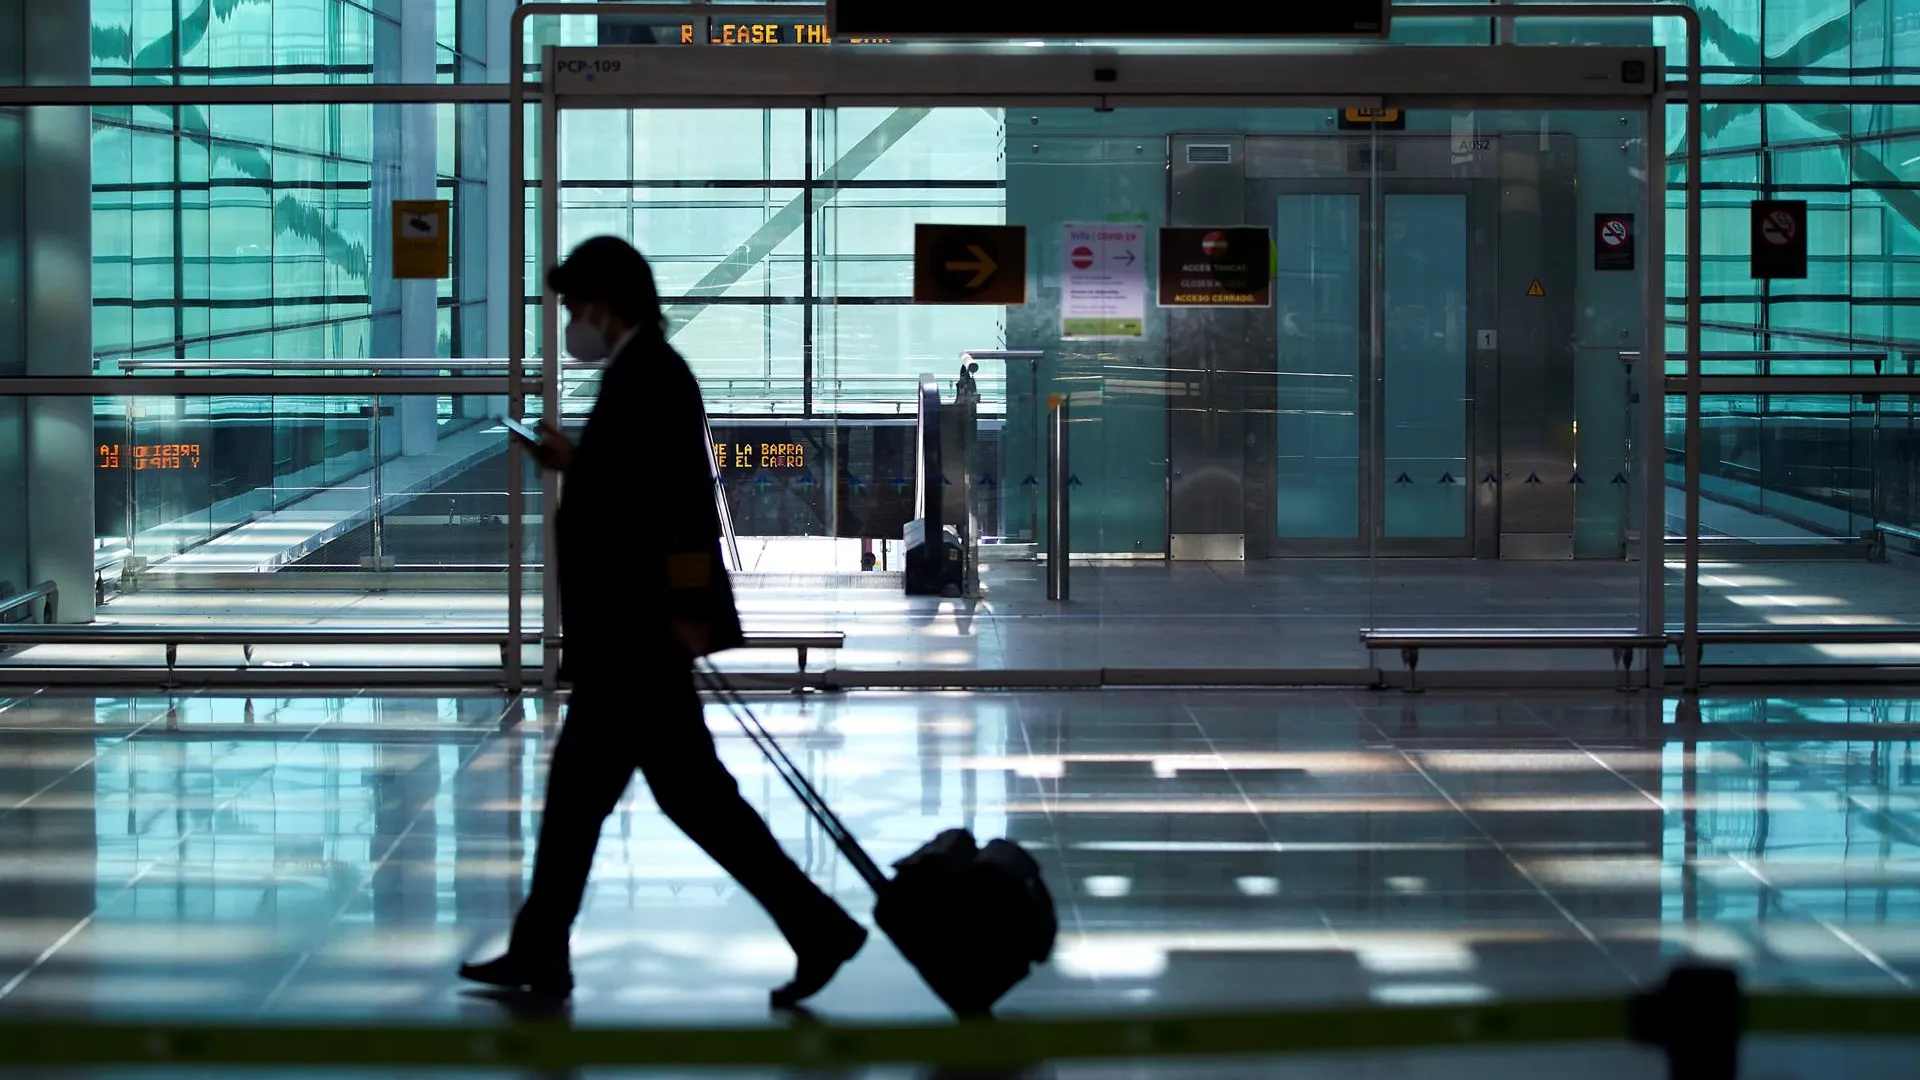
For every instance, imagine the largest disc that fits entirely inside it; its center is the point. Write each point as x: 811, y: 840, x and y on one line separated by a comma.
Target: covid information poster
x: 1103, y: 282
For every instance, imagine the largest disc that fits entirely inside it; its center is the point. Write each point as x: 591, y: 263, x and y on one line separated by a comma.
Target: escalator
x: 729, y: 539
x: 941, y: 558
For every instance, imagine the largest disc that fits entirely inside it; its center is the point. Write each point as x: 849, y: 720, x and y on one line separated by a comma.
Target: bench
x: 172, y: 637
x: 46, y: 594
x: 800, y: 643
x: 1410, y: 642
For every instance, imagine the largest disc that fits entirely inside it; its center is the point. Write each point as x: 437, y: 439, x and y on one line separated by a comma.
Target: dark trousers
x: 621, y: 720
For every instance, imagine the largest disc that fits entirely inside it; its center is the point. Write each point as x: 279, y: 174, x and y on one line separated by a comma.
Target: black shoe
x: 546, y: 979
x: 818, y: 965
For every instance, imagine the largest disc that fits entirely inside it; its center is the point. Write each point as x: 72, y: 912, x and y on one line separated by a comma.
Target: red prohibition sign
x: 1779, y: 228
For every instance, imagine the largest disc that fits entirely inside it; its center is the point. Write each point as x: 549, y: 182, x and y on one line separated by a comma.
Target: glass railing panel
x: 1806, y: 512
x: 335, y: 513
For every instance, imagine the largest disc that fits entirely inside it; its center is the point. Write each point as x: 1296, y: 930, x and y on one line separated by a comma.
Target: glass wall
x: 255, y: 238
x: 1806, y: 501
x: 293, y: 42
x: 735, y: 207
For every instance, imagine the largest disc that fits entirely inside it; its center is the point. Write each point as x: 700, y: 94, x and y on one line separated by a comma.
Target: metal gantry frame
x: 1527, y: 78
x: 515, y: 92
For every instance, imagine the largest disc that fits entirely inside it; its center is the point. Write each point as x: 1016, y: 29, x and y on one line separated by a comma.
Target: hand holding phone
x: 548, y: 445
x: 525, y: 432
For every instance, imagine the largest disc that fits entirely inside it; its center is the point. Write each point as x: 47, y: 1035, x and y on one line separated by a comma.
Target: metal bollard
x: 1058, y: 478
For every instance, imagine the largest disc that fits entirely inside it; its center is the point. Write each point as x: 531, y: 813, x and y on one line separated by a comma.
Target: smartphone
x: 524, y: 432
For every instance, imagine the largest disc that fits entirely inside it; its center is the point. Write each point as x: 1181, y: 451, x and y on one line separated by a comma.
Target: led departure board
x: 720, y: 30
x: 749, y: 453
x: 1081, y: 20
x: 147, y: 456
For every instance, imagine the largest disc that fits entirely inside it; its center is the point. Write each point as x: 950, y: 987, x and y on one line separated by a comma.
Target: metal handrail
x: 1506, y: 639
x: 494, y: 363
x: 1833, y: 385
x: 1059, y: 480
x: 171, y: 638
x: 1809, y: 636
x: 106, y: 558
x: 114, y: 633
x: 1900, y: 531
x: 422, y: 363
x: 47, y: 591
x: 1630, y: 356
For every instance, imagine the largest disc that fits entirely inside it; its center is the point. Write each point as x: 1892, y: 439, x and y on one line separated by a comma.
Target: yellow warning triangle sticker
x: 1535, y: 289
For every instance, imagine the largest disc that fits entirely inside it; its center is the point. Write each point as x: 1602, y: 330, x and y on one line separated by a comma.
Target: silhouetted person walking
x: 643, y: 593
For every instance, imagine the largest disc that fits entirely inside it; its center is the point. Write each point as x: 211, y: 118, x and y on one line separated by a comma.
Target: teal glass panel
x: 1316, y: 298
x: 1424, y: 366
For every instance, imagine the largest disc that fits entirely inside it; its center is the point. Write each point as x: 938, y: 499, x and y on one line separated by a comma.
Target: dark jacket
x: 638, y: 534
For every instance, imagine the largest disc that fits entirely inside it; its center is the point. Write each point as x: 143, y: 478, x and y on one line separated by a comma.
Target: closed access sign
x: 1229, y: 266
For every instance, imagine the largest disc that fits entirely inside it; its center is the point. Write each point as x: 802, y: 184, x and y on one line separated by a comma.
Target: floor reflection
x: 212, y: 856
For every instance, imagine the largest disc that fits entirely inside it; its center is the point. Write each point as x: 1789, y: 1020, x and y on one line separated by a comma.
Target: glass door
x: 1321, y: 296
x: 1379, y: 300
x: 1424, y: 378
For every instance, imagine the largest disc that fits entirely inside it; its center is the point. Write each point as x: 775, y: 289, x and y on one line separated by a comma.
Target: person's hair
x: 608, y: 270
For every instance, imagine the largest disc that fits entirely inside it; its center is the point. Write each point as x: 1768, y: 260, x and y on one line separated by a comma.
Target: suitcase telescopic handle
x: 796, y: 780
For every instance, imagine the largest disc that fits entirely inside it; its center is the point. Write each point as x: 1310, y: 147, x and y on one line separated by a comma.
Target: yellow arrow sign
x: 982, y: 265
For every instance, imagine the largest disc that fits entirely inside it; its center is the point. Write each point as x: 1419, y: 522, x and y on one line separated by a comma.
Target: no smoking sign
x: 1613, y: 241
x: 1780, y: 228
x: 1779, y: 240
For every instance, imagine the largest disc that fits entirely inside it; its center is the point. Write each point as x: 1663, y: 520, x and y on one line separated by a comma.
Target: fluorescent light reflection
x: 174, y: 944
x: 1111, y: 960
x: 1257, y: 885
x: 1167, y: 766
x: 1471, y: 761
x: 1231, y: 805
x: 1626, y: 801
x: 354, y: 995
x: 1905, y: 653
x: 1431, y: 994
x: 47, y: 988
x: 1604, y: 872
x: 1770, y: 600
x: 1830, y: 620
x: 1420, y: 957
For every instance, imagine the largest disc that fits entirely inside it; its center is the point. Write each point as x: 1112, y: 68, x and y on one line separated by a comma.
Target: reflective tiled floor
x: 336, y: 857
x: 1288, y: 615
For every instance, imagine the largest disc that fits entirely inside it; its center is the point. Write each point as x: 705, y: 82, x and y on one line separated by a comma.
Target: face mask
x: 586, y: 343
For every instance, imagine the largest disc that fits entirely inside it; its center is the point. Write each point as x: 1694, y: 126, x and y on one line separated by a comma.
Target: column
x: 504, y: 206
x: 405, y: 141
x: 46, y: 310
x: 13, y: 284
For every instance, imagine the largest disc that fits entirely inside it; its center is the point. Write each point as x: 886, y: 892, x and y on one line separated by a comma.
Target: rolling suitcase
x: 971, y: 918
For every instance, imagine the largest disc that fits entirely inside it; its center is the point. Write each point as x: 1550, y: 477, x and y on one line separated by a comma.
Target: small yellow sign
x: 422, y: 241
x: 1535, y: 289
x: 1373, y: 116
